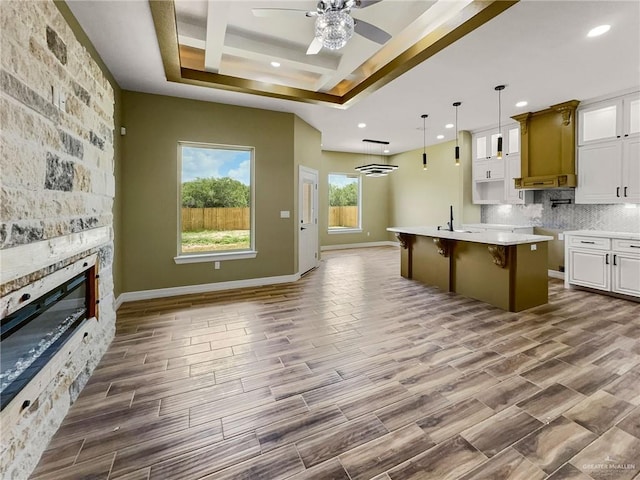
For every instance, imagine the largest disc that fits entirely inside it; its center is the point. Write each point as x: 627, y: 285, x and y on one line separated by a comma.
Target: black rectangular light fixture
x: 376, y: 169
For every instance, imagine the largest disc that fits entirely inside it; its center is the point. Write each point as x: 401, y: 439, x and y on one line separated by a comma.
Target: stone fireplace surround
x: 56, y: 199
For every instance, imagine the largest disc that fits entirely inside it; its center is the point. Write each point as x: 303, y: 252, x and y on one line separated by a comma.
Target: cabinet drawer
x: 631, y: 246
x: 590, y: 242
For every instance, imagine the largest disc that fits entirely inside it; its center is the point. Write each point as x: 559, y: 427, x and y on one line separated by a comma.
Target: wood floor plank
x: 332, y: 442
x: 207, y: 460
x: 409, y: 410
x: 599, y: 412
x: 220, y: 407
x: 507, y: 465
x: 551, y: 402
x: 251, y: 419
x: 554, y: 444
x: 275, y: 465
x: 377, y: 456
x: 616, y: 445
x: 162, y: 448
x: 507, y: 393
x: 503, y: 429
x: 297, y: 427
x: 372, y: 399
x: 447, y: 461
x: 449, y: 421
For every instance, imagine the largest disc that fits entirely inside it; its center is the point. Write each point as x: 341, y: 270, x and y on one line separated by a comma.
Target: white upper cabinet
x: 631, y: 112
x: 599, y: 122
x: 480, y: 145
x: 609, y: 120
x: 492, y: 176
x: 513, y: 140
x: 609, y: 151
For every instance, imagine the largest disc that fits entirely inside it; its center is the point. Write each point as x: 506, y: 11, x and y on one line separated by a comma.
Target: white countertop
x: 492, y: 237
x: 600, y: 233
x: 497, y: 226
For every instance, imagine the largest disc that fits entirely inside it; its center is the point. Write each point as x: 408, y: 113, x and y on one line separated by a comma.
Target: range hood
x: 547, y: 147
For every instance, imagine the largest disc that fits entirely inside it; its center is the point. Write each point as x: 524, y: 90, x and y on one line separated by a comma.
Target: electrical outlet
x: 216, y: 265
x: 534, y: 247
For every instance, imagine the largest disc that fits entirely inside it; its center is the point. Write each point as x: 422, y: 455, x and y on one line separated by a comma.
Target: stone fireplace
x: 56, y: 225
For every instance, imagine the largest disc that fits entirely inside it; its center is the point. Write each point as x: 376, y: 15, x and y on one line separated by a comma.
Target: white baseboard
x: 359, y: 245
x: 556, y: 274
x: 203, y: 288
x: 119, y: 301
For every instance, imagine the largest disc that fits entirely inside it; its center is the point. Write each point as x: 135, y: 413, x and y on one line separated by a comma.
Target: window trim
x: 358, y: 229
x: 213, y: 256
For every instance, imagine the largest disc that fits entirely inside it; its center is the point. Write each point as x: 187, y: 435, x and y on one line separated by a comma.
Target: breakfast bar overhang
x: 507, y: 270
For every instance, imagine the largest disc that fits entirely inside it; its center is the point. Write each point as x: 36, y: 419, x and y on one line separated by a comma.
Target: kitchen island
x: 508, y: 270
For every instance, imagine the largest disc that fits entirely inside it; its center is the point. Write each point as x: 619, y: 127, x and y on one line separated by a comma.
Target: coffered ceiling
x: 234, y: 45
x: 539, y: 49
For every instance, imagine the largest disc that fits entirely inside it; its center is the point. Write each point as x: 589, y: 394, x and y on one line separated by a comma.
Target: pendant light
x: 499, y: 88
x: 456, y: 105
x: 375, y: 169
x: 424, y: 140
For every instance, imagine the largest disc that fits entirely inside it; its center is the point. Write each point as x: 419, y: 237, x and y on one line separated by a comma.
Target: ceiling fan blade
x: 277, y: 12
x: 371, y: 32
x: 315, y: 46
x: 366, y: 3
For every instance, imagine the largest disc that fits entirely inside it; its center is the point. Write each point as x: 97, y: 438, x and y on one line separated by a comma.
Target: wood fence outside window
x: 233, y: 218
x: 343, y: 216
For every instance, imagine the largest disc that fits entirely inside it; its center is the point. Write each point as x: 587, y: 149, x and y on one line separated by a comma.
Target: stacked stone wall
x: 56, y: 180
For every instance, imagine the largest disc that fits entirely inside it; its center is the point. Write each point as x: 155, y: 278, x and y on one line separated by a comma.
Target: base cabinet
x: 589, y: 268
x: 604, y: 263
x: 626, y: 274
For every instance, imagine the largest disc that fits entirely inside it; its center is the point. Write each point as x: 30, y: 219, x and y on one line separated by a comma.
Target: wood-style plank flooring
x: 356, y: 373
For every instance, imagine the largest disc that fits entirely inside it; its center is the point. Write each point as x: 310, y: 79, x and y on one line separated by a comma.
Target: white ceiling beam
x: 258, y: 48
x: 217, y: 18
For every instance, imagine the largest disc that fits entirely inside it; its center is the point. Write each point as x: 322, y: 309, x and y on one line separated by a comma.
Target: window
x: 216, y: 198
x: 344, y: 203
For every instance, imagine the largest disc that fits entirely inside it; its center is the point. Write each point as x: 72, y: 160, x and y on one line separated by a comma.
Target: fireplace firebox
x: 32, y: 335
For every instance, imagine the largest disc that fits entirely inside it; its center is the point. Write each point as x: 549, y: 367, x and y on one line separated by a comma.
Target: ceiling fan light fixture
x: 334, y: 29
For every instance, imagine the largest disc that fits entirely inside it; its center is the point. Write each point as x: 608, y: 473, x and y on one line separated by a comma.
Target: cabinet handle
x: 634, y: 246
x: 625, y: 191
x: 489, y: 173
x: 520, y: 195
x: 617, y: 191
x: 617, y: 136
x: 626, y: 134
x: 606, y: 259
x: 614, y: 259
x: 584, y: 241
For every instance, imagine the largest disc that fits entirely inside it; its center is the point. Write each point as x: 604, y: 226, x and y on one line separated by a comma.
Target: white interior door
x: 308, y: 219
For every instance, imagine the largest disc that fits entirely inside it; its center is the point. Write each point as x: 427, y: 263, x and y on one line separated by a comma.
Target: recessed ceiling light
x: 449, y: 125
x: 275, y: 64
x: 386, y: 150
x: 522, y: 103
x: 440, y: 137
x: 362, y: 125
x: 599, y: 30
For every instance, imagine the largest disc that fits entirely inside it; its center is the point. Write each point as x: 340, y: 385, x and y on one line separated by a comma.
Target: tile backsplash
x: 542, y: 213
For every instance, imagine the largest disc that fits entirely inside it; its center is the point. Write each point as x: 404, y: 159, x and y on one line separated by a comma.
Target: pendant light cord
x: 424, y: 134
x: 456, y: 125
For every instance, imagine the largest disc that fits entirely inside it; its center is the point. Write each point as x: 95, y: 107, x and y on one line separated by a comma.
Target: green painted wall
x: 149, y: 195
x: 375, y: 201
x: 422, y: 198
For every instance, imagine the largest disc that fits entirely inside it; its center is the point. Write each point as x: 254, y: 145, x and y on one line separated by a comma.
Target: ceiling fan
x: 334, y: 23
